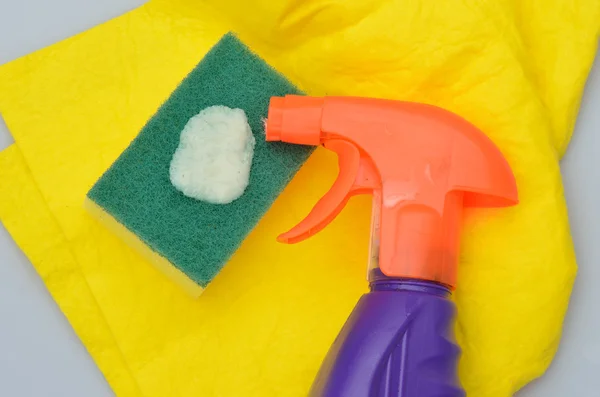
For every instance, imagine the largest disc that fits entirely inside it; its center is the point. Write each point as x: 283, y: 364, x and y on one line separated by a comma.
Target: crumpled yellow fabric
x: 516, y: 69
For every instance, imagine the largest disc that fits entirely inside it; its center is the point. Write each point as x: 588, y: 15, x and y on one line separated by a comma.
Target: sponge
x: 191, y: 240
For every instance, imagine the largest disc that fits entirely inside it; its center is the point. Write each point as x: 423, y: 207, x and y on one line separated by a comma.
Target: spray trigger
x: 357, y: 175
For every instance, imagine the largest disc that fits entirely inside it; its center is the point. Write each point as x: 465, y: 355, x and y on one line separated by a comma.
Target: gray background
x: 41, y: 356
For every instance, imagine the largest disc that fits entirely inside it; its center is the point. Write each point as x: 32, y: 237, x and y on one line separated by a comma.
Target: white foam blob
x: 213, y: 160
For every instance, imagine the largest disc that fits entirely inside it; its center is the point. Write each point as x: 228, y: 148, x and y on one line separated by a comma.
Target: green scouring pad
x: 189, y: 239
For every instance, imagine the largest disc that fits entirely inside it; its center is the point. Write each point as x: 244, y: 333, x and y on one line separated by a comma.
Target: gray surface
x: 41, y: 356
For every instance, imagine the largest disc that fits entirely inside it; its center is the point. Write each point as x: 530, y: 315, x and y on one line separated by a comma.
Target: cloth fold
x: 514, y: 69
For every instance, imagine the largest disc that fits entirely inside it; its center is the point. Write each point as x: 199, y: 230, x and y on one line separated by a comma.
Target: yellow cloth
x: 516, y: 69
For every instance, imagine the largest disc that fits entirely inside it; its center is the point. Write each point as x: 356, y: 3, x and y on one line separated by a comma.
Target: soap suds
x: 213, y: 160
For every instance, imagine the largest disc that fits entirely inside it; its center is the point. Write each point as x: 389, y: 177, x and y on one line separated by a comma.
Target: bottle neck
x: 380, y: 282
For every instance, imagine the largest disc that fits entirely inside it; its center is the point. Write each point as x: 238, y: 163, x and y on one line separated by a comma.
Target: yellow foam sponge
x: 264, y: 324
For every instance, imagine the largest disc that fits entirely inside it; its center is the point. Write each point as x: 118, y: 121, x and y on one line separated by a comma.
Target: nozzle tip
x: 273, y: 124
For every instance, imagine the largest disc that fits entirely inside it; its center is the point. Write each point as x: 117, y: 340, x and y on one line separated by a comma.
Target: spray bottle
x: 422, y: 165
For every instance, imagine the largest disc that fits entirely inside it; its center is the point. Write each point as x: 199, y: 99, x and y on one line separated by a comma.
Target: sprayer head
x: 422, y: 164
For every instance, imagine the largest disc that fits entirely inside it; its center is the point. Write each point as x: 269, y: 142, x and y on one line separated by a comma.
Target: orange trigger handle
x: 355, y: 177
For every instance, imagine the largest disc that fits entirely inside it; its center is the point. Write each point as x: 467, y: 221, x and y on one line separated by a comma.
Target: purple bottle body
x: 398, y: 342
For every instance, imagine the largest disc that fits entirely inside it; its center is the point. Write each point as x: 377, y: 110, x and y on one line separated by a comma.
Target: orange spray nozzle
x: 421, y: 163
